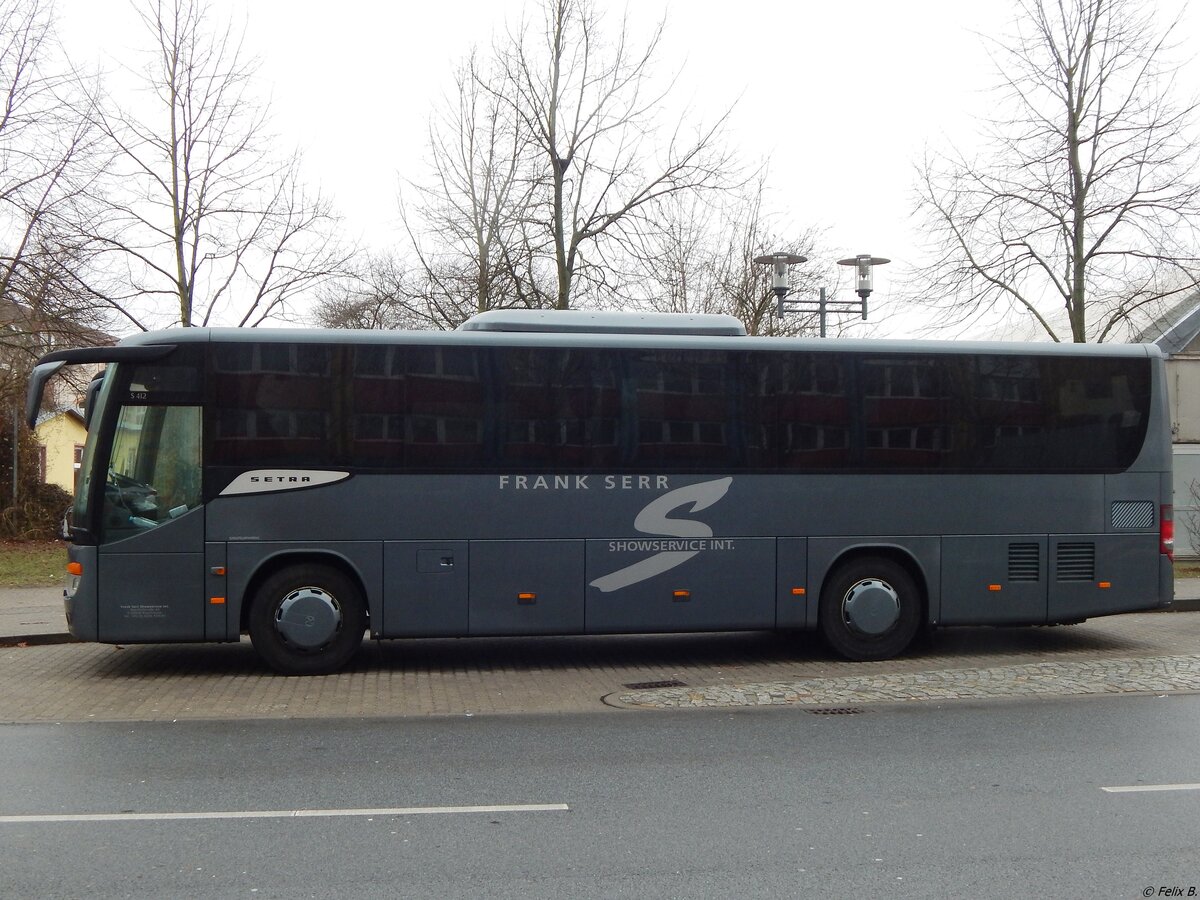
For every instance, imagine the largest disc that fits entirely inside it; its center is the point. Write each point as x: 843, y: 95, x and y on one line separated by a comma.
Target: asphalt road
x: 997, y: 799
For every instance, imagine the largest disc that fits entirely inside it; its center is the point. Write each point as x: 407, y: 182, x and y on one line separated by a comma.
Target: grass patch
x: 1189, y: 569
x: 32, y: 563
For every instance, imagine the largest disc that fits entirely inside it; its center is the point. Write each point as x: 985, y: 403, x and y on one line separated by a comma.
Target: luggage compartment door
x: 526, y: 587
x: 704, y: 584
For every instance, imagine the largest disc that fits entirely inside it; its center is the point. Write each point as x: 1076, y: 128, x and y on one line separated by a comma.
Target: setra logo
x: 690, y: 537
x: 261, y: 481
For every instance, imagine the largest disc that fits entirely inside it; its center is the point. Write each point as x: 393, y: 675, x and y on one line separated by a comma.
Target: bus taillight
x: 1166, y: 531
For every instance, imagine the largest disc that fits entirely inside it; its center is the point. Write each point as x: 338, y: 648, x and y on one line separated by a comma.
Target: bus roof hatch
x: 574, y: 321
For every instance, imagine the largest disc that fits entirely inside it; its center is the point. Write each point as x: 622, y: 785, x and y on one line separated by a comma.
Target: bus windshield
x: 153, y: 473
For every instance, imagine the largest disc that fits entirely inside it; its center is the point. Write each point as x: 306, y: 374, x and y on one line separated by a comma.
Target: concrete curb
x: 36, y: 640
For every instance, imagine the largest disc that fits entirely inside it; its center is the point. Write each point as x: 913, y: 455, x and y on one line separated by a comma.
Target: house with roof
x: 24, y: 336
x: 60, y: 436
x: 1177, y: 334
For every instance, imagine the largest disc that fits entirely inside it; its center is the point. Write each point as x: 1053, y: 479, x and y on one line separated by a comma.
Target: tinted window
x: 442, y: 412
x: 812, y: 412
x: 432, y: 408
x: 272, y: 405
x: 905, y: 405
x: 682, y: 409
x: 1067, y: 414
x: 547, y: 401
x: 174, y: 379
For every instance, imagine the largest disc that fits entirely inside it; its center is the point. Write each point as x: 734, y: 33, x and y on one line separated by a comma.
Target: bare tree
x: 591, y: 117
x: 377, y: 296
x: 206, y: 218
x: 702, y: 261
x: 1081, y: 216
x: 388, y: 292
x: 745, y: 286
x: 475, y: 211
x: 677, y: 259
x: 545, y: 149
x: 49, y: 158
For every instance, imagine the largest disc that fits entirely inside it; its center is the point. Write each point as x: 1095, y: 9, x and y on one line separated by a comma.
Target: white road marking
x: 1138, y: 788
x: 285, y: 813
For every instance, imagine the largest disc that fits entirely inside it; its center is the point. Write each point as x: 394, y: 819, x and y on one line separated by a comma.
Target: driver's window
x: 154, y: 469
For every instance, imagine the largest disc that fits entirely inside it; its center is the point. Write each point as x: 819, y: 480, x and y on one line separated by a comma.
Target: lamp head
x: 862, y: 271
x: 779, y: 263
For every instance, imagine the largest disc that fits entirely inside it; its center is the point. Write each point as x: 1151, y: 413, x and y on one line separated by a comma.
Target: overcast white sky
x: 843, y: 97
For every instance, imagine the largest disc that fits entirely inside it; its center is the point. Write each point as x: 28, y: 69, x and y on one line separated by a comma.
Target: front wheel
x: 307, y: 620
x: 870, y: 609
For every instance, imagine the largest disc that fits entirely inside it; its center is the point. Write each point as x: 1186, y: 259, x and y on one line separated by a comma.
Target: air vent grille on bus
x: 1024, y: 562
x: 1133, y: 514
x: 1076, y: 562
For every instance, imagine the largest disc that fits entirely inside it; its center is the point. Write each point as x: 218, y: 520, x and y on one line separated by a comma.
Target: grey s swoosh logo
x: 654, y: 519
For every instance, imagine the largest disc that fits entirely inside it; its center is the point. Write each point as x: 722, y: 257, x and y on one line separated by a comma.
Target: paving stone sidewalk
x: 44, y: 678
x: 1152, y: 653
x: 32, y: 614
x: 1158, y: 674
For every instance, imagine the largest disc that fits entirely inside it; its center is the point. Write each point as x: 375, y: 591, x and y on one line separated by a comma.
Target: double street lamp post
x: 779, y: 263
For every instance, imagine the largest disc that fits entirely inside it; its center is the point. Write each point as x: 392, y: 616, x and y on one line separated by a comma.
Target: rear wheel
x: 307, y: 620
x: 870, y: 609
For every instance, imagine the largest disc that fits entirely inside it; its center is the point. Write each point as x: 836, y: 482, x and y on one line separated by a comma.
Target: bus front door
x: 151, y: 556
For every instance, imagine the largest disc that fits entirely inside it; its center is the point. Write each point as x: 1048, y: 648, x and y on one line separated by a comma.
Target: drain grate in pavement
x: 654, y: 685
x: 836, y: 711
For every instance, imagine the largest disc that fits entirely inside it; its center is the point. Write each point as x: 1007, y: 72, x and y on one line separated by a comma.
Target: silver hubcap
x: 309, y: 618
x: 871, y: 607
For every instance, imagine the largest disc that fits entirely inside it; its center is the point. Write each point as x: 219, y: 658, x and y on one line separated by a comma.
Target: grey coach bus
x: 567, y: 473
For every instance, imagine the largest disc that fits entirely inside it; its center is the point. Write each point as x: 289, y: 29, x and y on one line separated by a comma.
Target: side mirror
x: 72, y: 533
x: 89, y: 405
x: 42, y: 373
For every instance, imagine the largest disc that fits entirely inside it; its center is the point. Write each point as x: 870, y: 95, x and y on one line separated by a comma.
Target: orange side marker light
x: 1104, y: 585
x: 75, y: 568
x: 216, y: 601
x: 798, y: 592
x: 995, y: 587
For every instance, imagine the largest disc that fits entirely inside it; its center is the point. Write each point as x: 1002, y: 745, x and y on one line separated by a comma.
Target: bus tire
x: 307, y: 619
x: 870, y: 608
